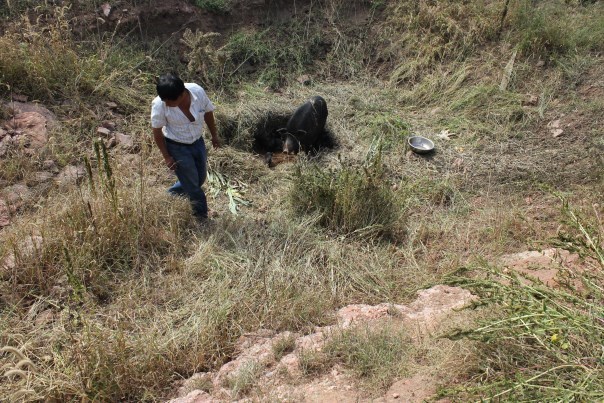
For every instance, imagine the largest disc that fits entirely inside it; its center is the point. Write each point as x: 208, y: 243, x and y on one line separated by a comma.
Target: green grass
x: 49, y: 64
x: 284, y: 345
x: 558, y: 28
x: 214, y: 6
x: 374, y: 355
x: 345, y: 200
x: 244, y: 379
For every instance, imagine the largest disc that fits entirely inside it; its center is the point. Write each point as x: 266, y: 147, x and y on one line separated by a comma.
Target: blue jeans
x: 191, y: 172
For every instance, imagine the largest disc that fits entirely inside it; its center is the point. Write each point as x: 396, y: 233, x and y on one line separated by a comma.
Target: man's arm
x: 158, y: 136
x: 208, y: 117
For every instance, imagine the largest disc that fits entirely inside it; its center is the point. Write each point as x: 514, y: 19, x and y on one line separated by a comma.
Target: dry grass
x: 119, y: 294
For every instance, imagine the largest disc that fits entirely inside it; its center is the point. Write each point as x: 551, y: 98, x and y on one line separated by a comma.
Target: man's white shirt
x: 173, y: 122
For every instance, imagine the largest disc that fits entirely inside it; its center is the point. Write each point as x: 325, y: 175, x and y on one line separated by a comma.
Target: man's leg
x: 188, y: 176
x: 176, y: 189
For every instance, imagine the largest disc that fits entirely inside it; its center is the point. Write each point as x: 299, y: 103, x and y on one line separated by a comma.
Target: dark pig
x: 305, y: 127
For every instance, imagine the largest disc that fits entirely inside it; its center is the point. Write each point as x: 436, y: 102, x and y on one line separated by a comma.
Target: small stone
x: 111, y: 105
x: 540, y: 63
x: 71, y: 175
x: 108, y: 124
x: 395, y: 395
x: 51, y: 166
x: 42, y: 176
x: 106, y: 8
x: 530, y: 100
x: 4, y: 214
x: 44, y: 317
x: 103, y: 131
x: 124, y: 140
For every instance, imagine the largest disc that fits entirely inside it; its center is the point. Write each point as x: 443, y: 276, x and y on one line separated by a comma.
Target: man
x: 177, y: 116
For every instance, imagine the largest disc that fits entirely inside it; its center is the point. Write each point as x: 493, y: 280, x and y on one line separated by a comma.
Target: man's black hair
x: 169, y: 87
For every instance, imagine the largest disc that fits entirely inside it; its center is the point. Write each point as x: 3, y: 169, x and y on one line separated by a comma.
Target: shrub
x: 349, y: 200
x: 215, y: 6
x: 47, y: 63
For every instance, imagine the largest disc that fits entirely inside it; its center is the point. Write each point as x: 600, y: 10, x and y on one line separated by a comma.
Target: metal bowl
x: 420, y: 145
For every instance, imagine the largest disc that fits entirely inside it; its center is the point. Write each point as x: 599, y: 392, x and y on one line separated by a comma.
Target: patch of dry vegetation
x: 544, y: 343
x: 109, y: 292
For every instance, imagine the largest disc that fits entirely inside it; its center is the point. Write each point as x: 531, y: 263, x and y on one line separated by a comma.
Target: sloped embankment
x: 289, y: 366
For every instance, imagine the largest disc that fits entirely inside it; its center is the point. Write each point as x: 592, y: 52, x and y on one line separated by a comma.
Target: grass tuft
x: 374, y: 355
x: 346, y: 201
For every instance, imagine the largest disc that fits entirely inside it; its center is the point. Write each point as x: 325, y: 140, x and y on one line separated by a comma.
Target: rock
x: 71, y: 175
x: 20, y: 98
x: 29, y: 129
x: 557, y: 133
x: 358, y: 313
x: 50, y: 166
x: 111, y: 105
x: 108, y: 124
x: 125, y: 141
x: 16, y: 196
x: 5, y: 143
x: 197, y: 396
x: 22, y: 107
x: 431, y: 307
x: 111, y: 142
x: 42, y: 177
x: 4, y: 214
x: 198, y: 381
x: 530, y: 100
x: 44, y: 317
x: 435, y: 304
x: 106, y: 9
x: 103, y: 131
x: 28, y: 249
x: 543, y: 265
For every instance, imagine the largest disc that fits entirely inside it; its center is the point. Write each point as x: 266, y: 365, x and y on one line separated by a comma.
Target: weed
x: 555, y: 29
x: 346, y: 200
x: 389, y: 128
x: 312, y: 362
x: 48, y: 64
x: 284, y: 345
x: 544, y: 343
x: 244, y: 379
x: 376, y: 355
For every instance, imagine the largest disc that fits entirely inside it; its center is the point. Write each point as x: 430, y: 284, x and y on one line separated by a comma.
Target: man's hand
x: 215, y: 142
x: 171, y: 163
